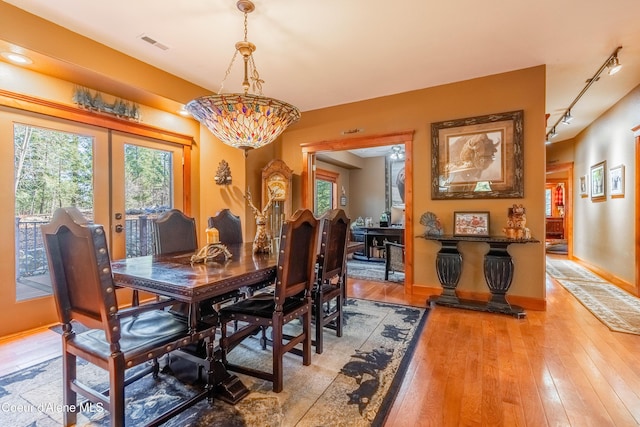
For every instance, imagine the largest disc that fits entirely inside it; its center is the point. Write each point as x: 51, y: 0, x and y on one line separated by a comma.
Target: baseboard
x: 611, y: 278
x: 529, y: 303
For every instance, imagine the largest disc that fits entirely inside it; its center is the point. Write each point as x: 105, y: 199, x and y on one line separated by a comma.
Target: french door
x: 146, y: 180
x: 118, y: 180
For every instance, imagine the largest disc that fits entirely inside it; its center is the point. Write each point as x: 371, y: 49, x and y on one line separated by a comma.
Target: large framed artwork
x: 478, y: 157
x: 598, y: 185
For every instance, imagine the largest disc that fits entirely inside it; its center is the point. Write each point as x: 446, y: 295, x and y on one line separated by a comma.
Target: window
x: 326, y: 191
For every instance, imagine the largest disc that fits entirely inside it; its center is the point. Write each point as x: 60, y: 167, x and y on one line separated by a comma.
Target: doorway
x: 559, y: 191
x: 309, y: 154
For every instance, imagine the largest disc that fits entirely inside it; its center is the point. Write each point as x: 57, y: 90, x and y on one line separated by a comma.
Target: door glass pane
x: 148, y: 193
x: 52, y: 169
x: 324, y: 196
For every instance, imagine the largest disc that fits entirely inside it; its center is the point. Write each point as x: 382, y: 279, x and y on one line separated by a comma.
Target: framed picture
x: 597, y: 183
x: 394, y: 174
x: 478, y: 157
x: 471, y: 224
x: 616, y: 181
x: 583, y: 186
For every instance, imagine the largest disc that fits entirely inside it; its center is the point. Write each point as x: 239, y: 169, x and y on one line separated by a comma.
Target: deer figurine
x: 261, y: 243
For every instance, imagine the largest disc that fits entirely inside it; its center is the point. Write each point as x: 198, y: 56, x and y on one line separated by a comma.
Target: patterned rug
x: 370, y: 270
x: 617, y: 309
x: 352, y: 383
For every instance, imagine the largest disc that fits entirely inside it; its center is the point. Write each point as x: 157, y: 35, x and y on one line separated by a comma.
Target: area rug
x: 565, y: 269
x: 352, y: 383
x: 369, y: 270
x: 617, y: 309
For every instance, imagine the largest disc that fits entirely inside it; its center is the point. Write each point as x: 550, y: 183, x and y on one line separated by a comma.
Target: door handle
x: 119, y: 228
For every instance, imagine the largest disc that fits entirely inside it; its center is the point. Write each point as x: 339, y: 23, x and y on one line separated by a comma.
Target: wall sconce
x: 223, y: 174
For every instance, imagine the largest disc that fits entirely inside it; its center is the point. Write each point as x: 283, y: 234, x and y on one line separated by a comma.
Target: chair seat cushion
x: 139, y: 333
x: 261, y: 305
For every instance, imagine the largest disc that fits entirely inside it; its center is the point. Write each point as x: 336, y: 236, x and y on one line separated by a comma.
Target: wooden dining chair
x: 115, y: 339
x: 173, y: 231
x: 329, y: 289
x: 290, y: 300
x: 228, y: 225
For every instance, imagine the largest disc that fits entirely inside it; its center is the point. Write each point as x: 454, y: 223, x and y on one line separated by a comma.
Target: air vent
x: 352, y: 131
x: 153, y: 42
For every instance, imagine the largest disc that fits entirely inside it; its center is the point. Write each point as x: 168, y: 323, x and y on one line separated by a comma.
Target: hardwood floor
x: 561, y: 367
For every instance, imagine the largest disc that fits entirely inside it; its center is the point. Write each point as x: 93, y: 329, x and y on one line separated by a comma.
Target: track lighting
x: 613, y: 64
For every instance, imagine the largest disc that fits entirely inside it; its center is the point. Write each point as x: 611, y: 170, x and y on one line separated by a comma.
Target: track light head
x: 614, y: 65
x: 567, y: 118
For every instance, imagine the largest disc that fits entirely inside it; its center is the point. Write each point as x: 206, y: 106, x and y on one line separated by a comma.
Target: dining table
x: 176, y: 277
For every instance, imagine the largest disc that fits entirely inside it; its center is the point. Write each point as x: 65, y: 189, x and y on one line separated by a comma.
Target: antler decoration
x: 210, y: 252
x: 261, y: 242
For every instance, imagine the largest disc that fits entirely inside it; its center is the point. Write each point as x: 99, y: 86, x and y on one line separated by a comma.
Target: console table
x: 498, y: 273
x: 373, y: 239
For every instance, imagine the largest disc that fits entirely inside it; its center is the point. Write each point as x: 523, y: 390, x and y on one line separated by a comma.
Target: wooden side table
x: 498, y: 273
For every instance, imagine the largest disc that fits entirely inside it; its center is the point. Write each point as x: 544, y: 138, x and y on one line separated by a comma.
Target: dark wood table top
x: 173, y: 275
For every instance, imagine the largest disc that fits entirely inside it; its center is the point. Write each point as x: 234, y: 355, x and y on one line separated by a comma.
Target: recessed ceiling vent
x: 153, y: 42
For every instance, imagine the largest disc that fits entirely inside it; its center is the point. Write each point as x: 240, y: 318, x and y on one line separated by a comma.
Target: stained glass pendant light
x: 244, y: 120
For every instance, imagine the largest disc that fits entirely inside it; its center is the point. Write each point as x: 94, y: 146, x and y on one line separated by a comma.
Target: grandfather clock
x: 276, y: 178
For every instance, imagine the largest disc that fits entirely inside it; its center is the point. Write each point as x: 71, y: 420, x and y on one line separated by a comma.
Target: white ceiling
x: 320, y: 53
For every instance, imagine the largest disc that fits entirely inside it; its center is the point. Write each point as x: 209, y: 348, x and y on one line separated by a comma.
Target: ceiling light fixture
x: 244, y: 120
x: 397, y: 153
x: 17, y: 58
x: 612, y: 63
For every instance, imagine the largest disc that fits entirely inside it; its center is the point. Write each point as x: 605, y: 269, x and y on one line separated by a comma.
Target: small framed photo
x: 471, y: 224
x: 583, y: 186
x: 598, y: 182
x: 616, y: 181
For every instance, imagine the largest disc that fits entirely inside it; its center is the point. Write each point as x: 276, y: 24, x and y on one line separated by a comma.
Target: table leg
x: 449, y: 269
x: 498, y: 273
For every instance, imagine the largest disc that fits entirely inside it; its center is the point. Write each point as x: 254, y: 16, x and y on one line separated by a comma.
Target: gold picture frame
x: 478, y: 157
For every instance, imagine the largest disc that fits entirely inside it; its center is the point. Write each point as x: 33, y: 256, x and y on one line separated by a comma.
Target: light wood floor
x: 561, y: 367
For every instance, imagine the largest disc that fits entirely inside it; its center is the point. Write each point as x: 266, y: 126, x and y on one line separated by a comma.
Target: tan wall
x: 518, y: 90
x: 367, y: 190
x: 604, y: 232
x: 561, y: 152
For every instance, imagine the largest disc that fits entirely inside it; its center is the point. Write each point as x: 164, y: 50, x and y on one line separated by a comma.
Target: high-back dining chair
x: 290, y: 300
x: 228, y: 225
x: 173, y: 231
x: 329, y: 289
x: 116, y: 340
